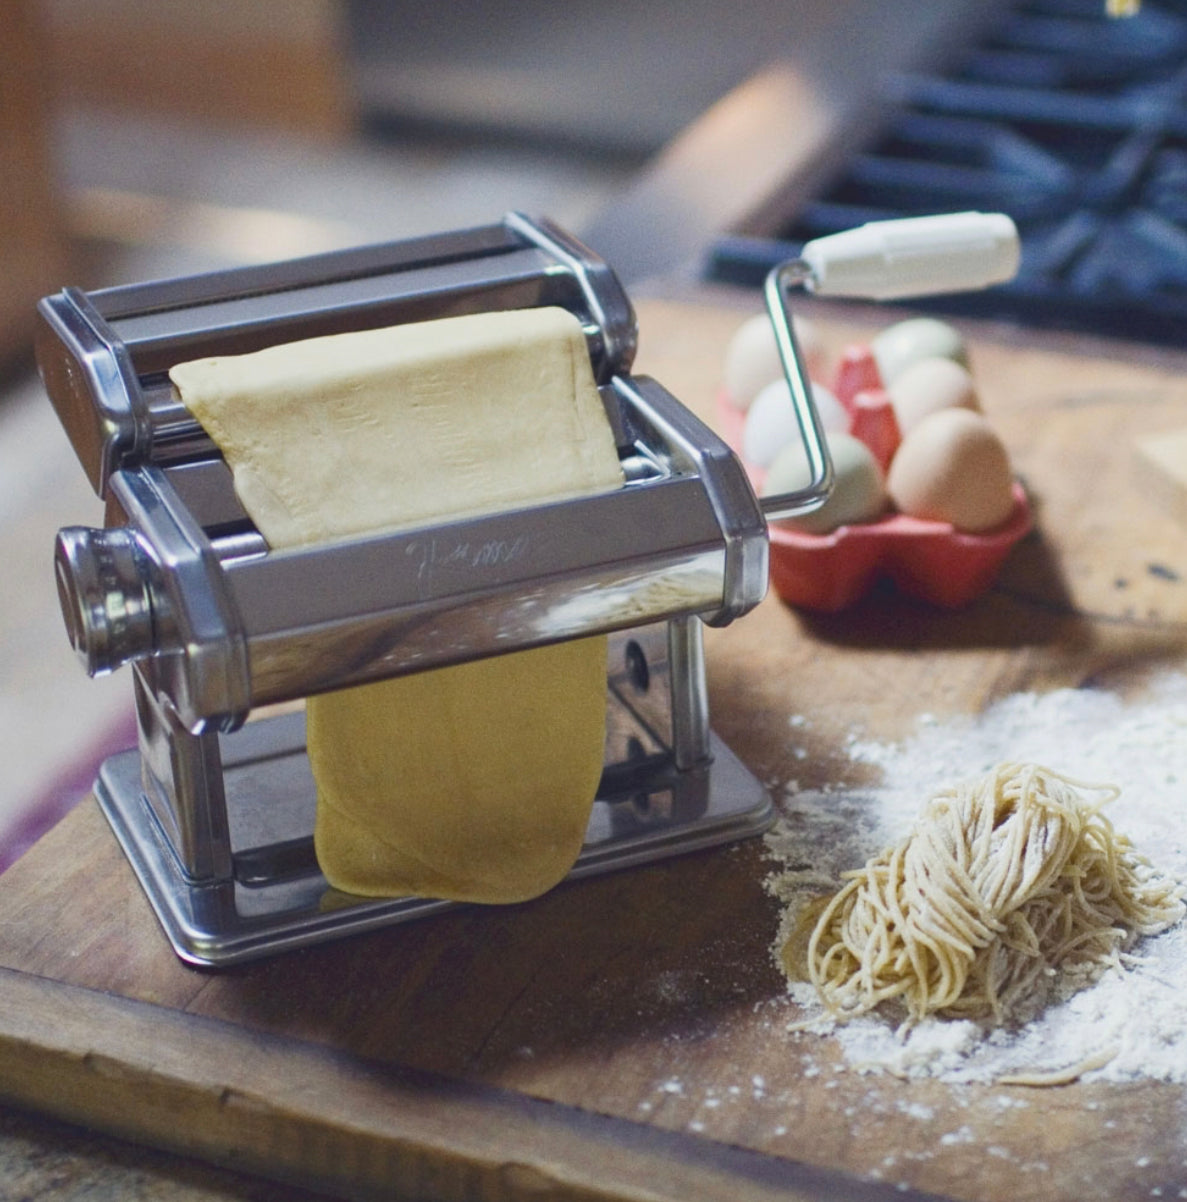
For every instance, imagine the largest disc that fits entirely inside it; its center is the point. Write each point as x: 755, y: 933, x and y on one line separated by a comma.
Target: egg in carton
x: 923, y: 488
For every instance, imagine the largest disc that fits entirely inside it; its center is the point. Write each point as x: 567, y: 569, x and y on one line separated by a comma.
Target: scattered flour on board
x: 1138, y: 1017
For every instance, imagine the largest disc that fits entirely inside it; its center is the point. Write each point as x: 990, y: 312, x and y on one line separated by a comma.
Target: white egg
x: 927, y: 386
x: 858, y: 495
x: 771, y: 423
x: 752, y: 357
x: 953, y: 467
x: 906, y: 342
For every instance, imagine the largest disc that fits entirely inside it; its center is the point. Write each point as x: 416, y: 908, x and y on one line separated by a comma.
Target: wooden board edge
x: 303, y: 1114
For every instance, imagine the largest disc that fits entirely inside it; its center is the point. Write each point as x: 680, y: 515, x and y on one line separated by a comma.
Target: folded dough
x: 472, y: 782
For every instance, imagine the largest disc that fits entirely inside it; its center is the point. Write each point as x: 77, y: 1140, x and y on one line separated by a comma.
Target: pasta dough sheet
x: 391, y: 428
x: 472, y: 782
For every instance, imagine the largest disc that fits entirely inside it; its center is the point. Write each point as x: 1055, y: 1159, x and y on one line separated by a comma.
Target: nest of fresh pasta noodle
x: 1006, y: 886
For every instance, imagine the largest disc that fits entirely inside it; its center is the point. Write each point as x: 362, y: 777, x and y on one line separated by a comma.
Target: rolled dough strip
x: 404, y: 426
x: 472, y: 782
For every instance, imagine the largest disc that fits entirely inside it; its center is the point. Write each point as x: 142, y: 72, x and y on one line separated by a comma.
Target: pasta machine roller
x: 215, y: 811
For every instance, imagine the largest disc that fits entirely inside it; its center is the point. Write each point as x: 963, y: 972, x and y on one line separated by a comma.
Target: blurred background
x: 692, y: 142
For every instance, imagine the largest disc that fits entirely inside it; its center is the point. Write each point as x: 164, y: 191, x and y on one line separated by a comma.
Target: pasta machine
x: 225, y: 636
x: 215, y: 807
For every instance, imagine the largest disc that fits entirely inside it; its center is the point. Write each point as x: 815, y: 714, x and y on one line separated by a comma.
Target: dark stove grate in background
x: 1075, y: 125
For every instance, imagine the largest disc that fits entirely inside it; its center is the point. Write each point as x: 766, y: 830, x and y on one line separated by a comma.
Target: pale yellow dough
x: 472, y: 782
x: 407, y: 425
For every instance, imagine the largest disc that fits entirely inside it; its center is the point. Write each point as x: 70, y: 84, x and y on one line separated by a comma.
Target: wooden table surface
x: 624, y: 1037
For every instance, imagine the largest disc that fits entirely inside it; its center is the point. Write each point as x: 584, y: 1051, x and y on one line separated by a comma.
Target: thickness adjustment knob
x: 104, y: 592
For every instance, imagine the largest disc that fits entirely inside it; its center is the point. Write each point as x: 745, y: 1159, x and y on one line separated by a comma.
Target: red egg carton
x: 927, y: 559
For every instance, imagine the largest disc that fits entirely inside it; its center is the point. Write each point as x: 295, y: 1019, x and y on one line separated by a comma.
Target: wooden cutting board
x: 624, y: 1038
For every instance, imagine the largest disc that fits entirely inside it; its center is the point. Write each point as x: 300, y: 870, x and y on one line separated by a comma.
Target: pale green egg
x: 859, y: 491
x: 906, y: 342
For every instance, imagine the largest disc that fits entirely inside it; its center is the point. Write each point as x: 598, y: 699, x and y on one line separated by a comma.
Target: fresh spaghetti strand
x: 1004, y: 883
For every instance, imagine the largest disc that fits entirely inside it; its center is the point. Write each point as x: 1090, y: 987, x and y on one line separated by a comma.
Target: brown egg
x: 928, y: 386
x: 953, y: 467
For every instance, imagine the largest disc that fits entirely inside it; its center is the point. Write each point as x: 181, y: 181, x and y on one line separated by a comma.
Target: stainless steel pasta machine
x: 226, y: 636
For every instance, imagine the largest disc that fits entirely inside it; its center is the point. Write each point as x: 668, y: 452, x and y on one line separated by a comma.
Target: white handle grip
x: 914, y: 256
